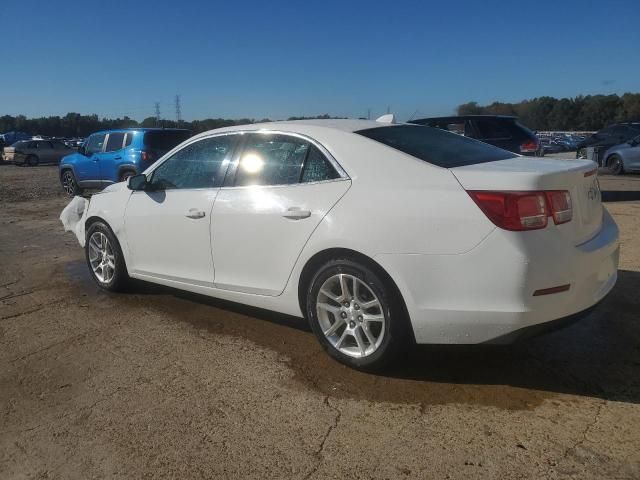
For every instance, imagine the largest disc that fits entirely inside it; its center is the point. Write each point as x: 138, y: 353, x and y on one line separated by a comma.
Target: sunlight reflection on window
x: 252, y: 163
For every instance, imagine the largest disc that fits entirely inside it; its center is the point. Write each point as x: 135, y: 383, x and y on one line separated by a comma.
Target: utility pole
x: 178, y: 110
x: 157, y: 108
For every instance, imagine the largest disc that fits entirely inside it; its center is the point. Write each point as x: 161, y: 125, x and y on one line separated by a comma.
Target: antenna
x: 157, y: 108
x: 178, y: 109
x: 368, y: 114
x: 388, y: 109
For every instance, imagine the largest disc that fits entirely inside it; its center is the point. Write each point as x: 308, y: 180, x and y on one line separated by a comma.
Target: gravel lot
x: 159, y: 383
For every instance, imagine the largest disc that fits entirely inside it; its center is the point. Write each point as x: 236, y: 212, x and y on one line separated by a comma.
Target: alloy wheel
x: 68, y: 183
x: 101, y: 257
x: 350, y: 315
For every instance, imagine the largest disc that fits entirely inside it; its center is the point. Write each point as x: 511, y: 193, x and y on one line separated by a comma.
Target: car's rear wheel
x: 69, y: 184
x: 615, y: 165
x: 104, y: 258
x: 32, y: 161
x: 355, y: 314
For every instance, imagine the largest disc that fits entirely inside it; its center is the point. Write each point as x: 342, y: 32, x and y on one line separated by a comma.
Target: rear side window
x: 165, y: 140
x: 128, y: 139
x: 317, y: 168
x: 271, y: 159
x: 114, y: 142
x: 436, y: 146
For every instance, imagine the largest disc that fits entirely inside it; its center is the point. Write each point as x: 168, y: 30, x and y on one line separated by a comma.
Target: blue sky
x: 277, y: 59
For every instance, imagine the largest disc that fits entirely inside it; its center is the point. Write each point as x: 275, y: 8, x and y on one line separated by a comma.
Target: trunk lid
x: 579, y: 177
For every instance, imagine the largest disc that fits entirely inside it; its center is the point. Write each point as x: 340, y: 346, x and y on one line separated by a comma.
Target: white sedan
x: 380, y: 234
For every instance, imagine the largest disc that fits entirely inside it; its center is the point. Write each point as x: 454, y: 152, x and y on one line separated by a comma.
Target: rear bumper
x: 486, y: 295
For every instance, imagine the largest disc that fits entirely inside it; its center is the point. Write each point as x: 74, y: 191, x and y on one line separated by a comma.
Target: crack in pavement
x: 586, y: 431
x: 33, y: 310
x: 319, y: 453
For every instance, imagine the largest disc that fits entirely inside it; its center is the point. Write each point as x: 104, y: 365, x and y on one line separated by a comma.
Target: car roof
x: 462, y: 117
x: 305, y: 127
x: 142, y: 129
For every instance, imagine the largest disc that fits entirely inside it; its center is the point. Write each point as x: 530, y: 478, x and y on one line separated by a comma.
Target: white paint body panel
x: 463, y: 279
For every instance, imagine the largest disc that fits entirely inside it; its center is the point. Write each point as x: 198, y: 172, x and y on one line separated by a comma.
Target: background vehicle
x: 608, y: 137
x: 502, y: 131
x: 113, y: 156
x: 551, y: 146
x: 624, y: 157
x: 36, y: 152
x: 397, y: 232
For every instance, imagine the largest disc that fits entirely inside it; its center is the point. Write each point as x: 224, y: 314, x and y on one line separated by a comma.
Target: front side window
x: 198, y: 165
x: 114, y: 142
x: 95, y: 143
x: 277, y: 159
x: 44, y: 146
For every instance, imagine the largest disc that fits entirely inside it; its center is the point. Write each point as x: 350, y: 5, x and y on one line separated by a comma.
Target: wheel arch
x: 128, y: 167
x: 323, y: 256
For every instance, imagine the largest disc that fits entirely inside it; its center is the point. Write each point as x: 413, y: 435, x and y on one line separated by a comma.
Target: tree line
x: 581, y: 113
x: 76, y: 125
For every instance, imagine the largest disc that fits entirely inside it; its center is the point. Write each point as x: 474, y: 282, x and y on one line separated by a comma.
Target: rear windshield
x: 165, y: 139
x: 436, y: 146
x: 21, y: 143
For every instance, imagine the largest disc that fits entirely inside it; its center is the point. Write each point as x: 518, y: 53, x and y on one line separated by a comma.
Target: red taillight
x: 146, y: 156
x: 519, y: 211
x: 529, y: 146
x: 560, y: 203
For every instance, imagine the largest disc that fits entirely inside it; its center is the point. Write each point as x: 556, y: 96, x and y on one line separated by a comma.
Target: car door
x: 111, y: 157
x: 45, y: 151
x: 89, y: 168
x: 632, y: 154
x: 278, y: 190
x: 168, y: 226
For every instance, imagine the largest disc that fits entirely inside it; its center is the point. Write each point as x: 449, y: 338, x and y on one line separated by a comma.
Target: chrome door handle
x: 195, y: 213
x: 296, y: 213
x: 117, y: 158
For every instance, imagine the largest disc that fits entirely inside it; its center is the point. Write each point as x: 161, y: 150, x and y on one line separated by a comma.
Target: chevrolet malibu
x: 379, y: 234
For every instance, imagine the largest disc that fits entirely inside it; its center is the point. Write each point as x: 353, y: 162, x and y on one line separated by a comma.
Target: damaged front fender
x: 74, y: 216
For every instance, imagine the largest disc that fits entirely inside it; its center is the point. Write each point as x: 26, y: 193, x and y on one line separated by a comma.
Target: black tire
x: 396, y: 326
x: 70, y: 184
x: 615, y: 165
x: 32, y: 161
x: 120, y: 278
x: 124, y: 176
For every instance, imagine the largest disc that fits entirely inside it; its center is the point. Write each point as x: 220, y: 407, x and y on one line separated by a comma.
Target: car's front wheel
x: 32, y: 161
x: 69, y: 184
x: 355, y: 314
x: 104, y: 258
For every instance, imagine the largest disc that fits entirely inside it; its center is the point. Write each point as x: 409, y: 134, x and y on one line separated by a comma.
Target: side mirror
x: 137, y: 182
x: 82, y: 149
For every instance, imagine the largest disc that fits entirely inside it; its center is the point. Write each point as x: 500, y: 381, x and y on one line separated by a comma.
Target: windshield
x: 436, y: 146
x: 165, y: 140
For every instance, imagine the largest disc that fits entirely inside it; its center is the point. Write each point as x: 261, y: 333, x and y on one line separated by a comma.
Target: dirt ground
x: 163, y: 384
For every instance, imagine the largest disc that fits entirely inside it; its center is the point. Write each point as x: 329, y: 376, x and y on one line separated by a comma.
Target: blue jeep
x: 114, y: 155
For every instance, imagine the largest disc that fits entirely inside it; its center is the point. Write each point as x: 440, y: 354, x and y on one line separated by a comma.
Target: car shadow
x: 597, y: 357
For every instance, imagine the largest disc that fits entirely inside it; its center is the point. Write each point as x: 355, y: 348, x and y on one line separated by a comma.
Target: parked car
x: 624, y: 157
x: 502, y: 131
x: 608, y: 137
x: 550, y: 146
x: 113, y: 156
x: 378, y: 233
x: 35, y: 152
x: 10, y: 138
